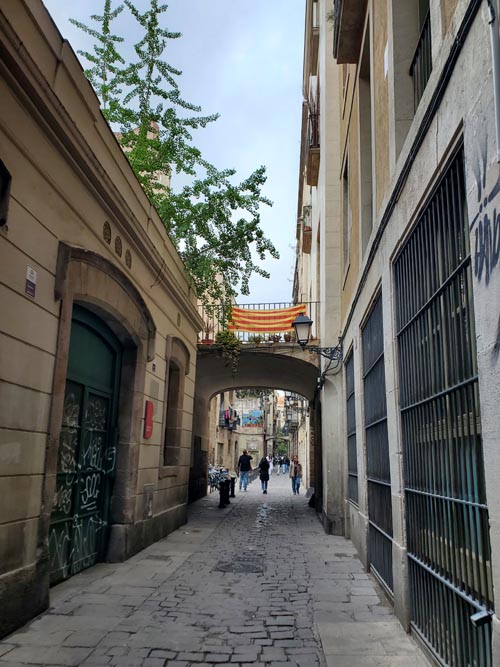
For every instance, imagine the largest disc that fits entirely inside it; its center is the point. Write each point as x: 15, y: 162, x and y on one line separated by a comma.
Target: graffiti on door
x: 73, y: 545
x: 86, y: 460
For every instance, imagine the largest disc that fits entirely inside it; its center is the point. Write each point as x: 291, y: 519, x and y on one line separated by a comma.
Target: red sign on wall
x: 148, y: 419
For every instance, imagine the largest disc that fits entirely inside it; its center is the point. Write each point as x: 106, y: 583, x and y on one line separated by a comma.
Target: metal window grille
x: 377, y: 448
x: 421, y: 64
x: 313, y: 125
x: 352, y: 455
x: 446, y: 513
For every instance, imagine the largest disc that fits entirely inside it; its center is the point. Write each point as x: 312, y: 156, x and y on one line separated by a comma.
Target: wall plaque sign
x: 30, y: 285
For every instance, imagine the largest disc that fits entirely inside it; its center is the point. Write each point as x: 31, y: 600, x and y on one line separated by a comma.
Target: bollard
x: 224, y: 493
x: 233, y: 484
x: 222, y: 504
x: 227, y: 486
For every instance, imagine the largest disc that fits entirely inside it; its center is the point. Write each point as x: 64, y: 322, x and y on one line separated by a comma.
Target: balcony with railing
x: 348, y: 21
x: 314, y: 39
x: 313, y: 145
x: 421, y: 64
x: 214, y: 319
x: 228, y: 418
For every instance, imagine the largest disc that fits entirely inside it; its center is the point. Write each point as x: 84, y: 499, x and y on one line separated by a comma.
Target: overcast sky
x: 243, y: 60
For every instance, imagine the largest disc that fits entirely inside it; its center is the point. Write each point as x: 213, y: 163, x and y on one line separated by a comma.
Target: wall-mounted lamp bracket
x: 334, y: 356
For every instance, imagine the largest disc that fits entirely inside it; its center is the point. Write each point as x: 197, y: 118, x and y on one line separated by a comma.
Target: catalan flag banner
x: 278, y: 319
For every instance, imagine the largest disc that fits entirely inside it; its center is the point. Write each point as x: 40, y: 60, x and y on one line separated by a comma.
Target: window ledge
x: 168, y: 471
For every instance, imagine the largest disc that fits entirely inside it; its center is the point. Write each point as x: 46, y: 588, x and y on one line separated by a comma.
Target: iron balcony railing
x: 313, y: 130
x: 421, y: 65
x: 313, y: 140
x: 214, y: 322
x: 232, y: 424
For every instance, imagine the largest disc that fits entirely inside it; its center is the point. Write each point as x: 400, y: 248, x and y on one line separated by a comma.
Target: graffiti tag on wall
x: 486, y: 223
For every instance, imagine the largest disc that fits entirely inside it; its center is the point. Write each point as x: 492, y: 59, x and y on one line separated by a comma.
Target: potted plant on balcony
x: 287, y: 336
x: 208, y: 331
x: 275, y: 338
x: 256, y: 339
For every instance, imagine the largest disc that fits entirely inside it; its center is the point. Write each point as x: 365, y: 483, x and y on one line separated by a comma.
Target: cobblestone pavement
x: 258, y: 583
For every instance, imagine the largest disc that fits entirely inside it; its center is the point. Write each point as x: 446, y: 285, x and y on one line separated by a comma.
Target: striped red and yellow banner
x: 277, y: 319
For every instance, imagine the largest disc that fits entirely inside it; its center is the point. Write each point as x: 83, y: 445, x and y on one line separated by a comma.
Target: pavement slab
x: 258, y: 583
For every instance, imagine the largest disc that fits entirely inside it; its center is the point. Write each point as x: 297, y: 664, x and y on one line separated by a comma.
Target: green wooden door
x: 87, y: 448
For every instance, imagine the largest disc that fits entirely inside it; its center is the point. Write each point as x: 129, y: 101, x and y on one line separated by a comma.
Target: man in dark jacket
x: 264, y: 473
x: 244, y: 467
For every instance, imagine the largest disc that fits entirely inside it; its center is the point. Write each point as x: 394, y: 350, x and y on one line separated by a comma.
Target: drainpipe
x: 495, y: 55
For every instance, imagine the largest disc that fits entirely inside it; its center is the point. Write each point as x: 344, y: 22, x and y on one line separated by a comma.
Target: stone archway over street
x: 277, y: 367
x: 286, y: 367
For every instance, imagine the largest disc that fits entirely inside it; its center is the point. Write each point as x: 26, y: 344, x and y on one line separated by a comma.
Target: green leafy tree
x: 106, y: 62
x: 214, y: 222
x: 156, y: 136
x: 218, y: 222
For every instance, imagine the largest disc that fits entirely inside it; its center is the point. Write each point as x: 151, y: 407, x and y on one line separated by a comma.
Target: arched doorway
x: 78, y: 532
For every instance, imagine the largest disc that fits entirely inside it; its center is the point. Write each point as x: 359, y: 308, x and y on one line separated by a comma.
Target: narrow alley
x: 256, y: 583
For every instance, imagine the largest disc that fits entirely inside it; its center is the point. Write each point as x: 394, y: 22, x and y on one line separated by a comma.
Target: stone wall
x: 79, y: 219
x: 464, y: 115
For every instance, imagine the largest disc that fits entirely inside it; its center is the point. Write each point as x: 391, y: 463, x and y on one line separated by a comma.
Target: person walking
x: 279, y: 465
x: 264, y: 473
x: 295, y: 475
x: 244, y: 467
x: 270, y: 461
x: 286, y: 463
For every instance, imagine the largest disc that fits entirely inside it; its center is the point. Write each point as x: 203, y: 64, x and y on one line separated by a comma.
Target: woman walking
x: 295, y: 474
x: 271, y: 465
x: 264, y: 473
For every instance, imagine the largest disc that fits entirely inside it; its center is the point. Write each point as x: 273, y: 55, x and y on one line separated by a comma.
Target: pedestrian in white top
x: 270, y: 460
x: 280, y: 465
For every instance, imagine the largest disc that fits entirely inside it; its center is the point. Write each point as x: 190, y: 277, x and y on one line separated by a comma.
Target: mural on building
x: 252, y: 418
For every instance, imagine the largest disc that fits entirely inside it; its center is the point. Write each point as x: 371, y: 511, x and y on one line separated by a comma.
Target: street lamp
x: 302, y: 325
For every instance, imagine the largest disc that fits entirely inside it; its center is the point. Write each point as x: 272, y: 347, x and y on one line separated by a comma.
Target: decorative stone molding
x: 84, y: 277
x: 70, y: 258
x: 106, y: 232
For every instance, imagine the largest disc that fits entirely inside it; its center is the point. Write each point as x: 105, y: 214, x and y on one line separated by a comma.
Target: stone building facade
x: 251, y: 430
x: 98, y: 332
x: 399, y: 184
x: 223, y: 446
